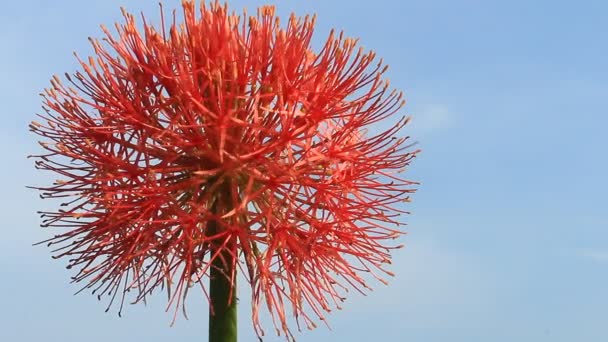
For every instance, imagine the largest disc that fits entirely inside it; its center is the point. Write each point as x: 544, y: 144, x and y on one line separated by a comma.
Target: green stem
x: 222, y: 289
x: 222, y: 312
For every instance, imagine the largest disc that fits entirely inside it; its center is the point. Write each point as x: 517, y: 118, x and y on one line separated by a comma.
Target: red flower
x: 226, y: 139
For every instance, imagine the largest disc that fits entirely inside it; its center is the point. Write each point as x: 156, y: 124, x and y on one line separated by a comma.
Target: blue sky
x: 508, y: 240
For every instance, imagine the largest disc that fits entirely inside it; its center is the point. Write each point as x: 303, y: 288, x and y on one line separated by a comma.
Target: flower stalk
x: 222, y: 279
x: 222, y: 298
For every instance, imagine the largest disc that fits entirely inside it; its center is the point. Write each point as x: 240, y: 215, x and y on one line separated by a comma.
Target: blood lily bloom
x: 225, y: 145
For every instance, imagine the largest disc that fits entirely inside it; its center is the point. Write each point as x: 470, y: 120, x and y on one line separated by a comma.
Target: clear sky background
x: 508, y: 240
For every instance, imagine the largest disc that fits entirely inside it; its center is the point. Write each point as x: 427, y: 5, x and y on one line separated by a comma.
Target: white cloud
x: 431, y: 118
x: 597, y: 255
x: 433, y: 288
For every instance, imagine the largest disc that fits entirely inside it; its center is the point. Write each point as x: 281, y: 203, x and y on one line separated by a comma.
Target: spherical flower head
x: 226, y: 135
